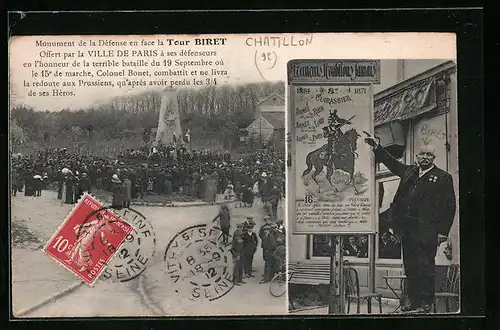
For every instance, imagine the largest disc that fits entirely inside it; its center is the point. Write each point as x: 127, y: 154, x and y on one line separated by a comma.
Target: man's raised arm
x: 386, y: 158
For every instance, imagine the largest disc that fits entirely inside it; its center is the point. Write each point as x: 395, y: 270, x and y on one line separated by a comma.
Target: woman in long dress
x: 118, y: 192
x: 70, y: 190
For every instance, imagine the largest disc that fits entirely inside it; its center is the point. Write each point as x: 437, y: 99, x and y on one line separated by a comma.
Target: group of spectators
x: 245, y: 243
x: 164, y: 171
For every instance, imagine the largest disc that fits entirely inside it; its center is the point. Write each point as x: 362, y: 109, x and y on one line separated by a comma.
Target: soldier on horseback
x: 338, y: 154
x: 338, y: 142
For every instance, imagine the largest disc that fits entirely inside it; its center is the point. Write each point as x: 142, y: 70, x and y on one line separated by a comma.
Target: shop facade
x: 420, y: 110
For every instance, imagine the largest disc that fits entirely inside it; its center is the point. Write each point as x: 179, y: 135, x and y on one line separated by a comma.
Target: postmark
x: 137, y: 251
x: 198, y: 264
x: 88, y: 239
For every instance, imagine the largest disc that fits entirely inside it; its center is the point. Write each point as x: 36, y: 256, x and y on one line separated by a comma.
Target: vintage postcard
x: 183, y: 139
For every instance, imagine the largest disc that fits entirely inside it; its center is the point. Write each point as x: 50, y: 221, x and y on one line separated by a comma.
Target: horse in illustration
x: 338, y: 154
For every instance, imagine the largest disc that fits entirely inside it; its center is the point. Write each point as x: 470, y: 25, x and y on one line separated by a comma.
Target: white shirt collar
x: 421, y: 172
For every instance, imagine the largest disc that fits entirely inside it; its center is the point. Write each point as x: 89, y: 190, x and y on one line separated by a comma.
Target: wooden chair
x: 352, y: 292
x: 451, y: 288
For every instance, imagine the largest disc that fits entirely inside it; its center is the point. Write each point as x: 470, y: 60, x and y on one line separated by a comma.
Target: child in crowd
x: 224, y: 222
x: 237, y: 252
x: 229, y: 192
x: 247, y: 197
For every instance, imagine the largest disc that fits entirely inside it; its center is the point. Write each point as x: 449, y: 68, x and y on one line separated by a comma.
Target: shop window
x: 354, y: 246
x: 389, y: 245
x: 396, y: 151
x: 321, y: 246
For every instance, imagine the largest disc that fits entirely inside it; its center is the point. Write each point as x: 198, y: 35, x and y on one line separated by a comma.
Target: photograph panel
x: 176, y: 139
x: 409, y: 263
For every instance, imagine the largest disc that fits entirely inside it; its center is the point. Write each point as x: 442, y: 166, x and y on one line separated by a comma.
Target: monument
x: 169, y: 132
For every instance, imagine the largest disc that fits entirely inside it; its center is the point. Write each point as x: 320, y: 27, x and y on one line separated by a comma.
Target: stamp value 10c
x: 88, y: 239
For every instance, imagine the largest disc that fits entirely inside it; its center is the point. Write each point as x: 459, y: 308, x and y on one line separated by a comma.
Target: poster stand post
x: 341, y: 277
x: 337, y: 288
x: 333, y: 306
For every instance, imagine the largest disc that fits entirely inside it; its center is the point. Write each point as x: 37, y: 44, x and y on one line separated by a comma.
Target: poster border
x: 292, y: 178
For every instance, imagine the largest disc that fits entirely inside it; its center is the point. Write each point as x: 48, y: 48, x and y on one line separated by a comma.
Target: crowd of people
x: 163, y: 171
x: 167, y: 170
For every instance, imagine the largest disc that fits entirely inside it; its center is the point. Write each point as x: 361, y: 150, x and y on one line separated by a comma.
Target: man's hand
x: 441, y: 239
x: 370, y: 140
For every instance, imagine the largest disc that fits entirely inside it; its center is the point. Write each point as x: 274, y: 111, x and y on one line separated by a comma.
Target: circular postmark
x: 136, y: 252
x: 198, y: 263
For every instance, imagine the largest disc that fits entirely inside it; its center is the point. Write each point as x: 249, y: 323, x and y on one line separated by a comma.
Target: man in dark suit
x: 422, y: 212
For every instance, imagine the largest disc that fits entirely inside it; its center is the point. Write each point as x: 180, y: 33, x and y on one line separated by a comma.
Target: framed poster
x: 332, y: 177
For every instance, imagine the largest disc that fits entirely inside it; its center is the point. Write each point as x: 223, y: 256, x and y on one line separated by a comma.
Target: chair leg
x: 348, y: 305
x: 434, y: 306
x: 447, y: 303
x: 369, y: 301
x: 380, y: 304
x: 358, y: 309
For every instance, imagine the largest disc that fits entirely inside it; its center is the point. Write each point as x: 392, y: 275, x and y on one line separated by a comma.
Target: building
x: 268, y: 127
x: 416, y: 103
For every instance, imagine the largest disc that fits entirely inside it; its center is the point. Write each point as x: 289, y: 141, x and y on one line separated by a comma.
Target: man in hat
x: 280, y: 229
x: 249, y: 222
x: 117, y: 190
x: 280, y: 254
x: 224, y: 218
x: 85, y: 184
x: 247, y: 196
x: 239, y: 228
x: 423, y: 210
x: 274, y: 197
x: 127, y: 191
x: 250, y: 243
x: 267, y: 224
x: 268, y: 247
x: 237, y: 252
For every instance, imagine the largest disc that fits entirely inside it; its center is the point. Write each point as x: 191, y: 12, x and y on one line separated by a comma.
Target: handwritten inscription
x: 427, y: 132
x: 279, y: 41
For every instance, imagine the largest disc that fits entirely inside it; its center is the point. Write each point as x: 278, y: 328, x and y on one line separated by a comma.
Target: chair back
x: 452, y: 284
x: 351, y: 281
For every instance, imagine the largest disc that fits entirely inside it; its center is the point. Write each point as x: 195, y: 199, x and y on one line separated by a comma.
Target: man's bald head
x: 425, y: 156
x: 427, y: 148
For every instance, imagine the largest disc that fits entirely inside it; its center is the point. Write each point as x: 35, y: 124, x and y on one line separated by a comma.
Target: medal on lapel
x: 433, y: 178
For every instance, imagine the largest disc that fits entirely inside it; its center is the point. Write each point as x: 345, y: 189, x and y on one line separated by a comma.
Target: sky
x: 245, y: 59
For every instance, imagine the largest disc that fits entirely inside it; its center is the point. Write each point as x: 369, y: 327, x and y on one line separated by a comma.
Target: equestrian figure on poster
x: 338, y: 154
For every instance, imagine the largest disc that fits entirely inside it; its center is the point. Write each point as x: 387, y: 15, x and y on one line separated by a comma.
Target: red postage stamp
x: 88, y: 239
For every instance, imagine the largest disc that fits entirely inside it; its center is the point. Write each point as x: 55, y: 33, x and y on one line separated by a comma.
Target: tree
x: 17, y: 134
x: 212, y: 112
x: 77, y: 132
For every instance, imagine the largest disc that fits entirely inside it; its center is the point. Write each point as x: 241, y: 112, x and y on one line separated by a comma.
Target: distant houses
x: 268, y: 127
